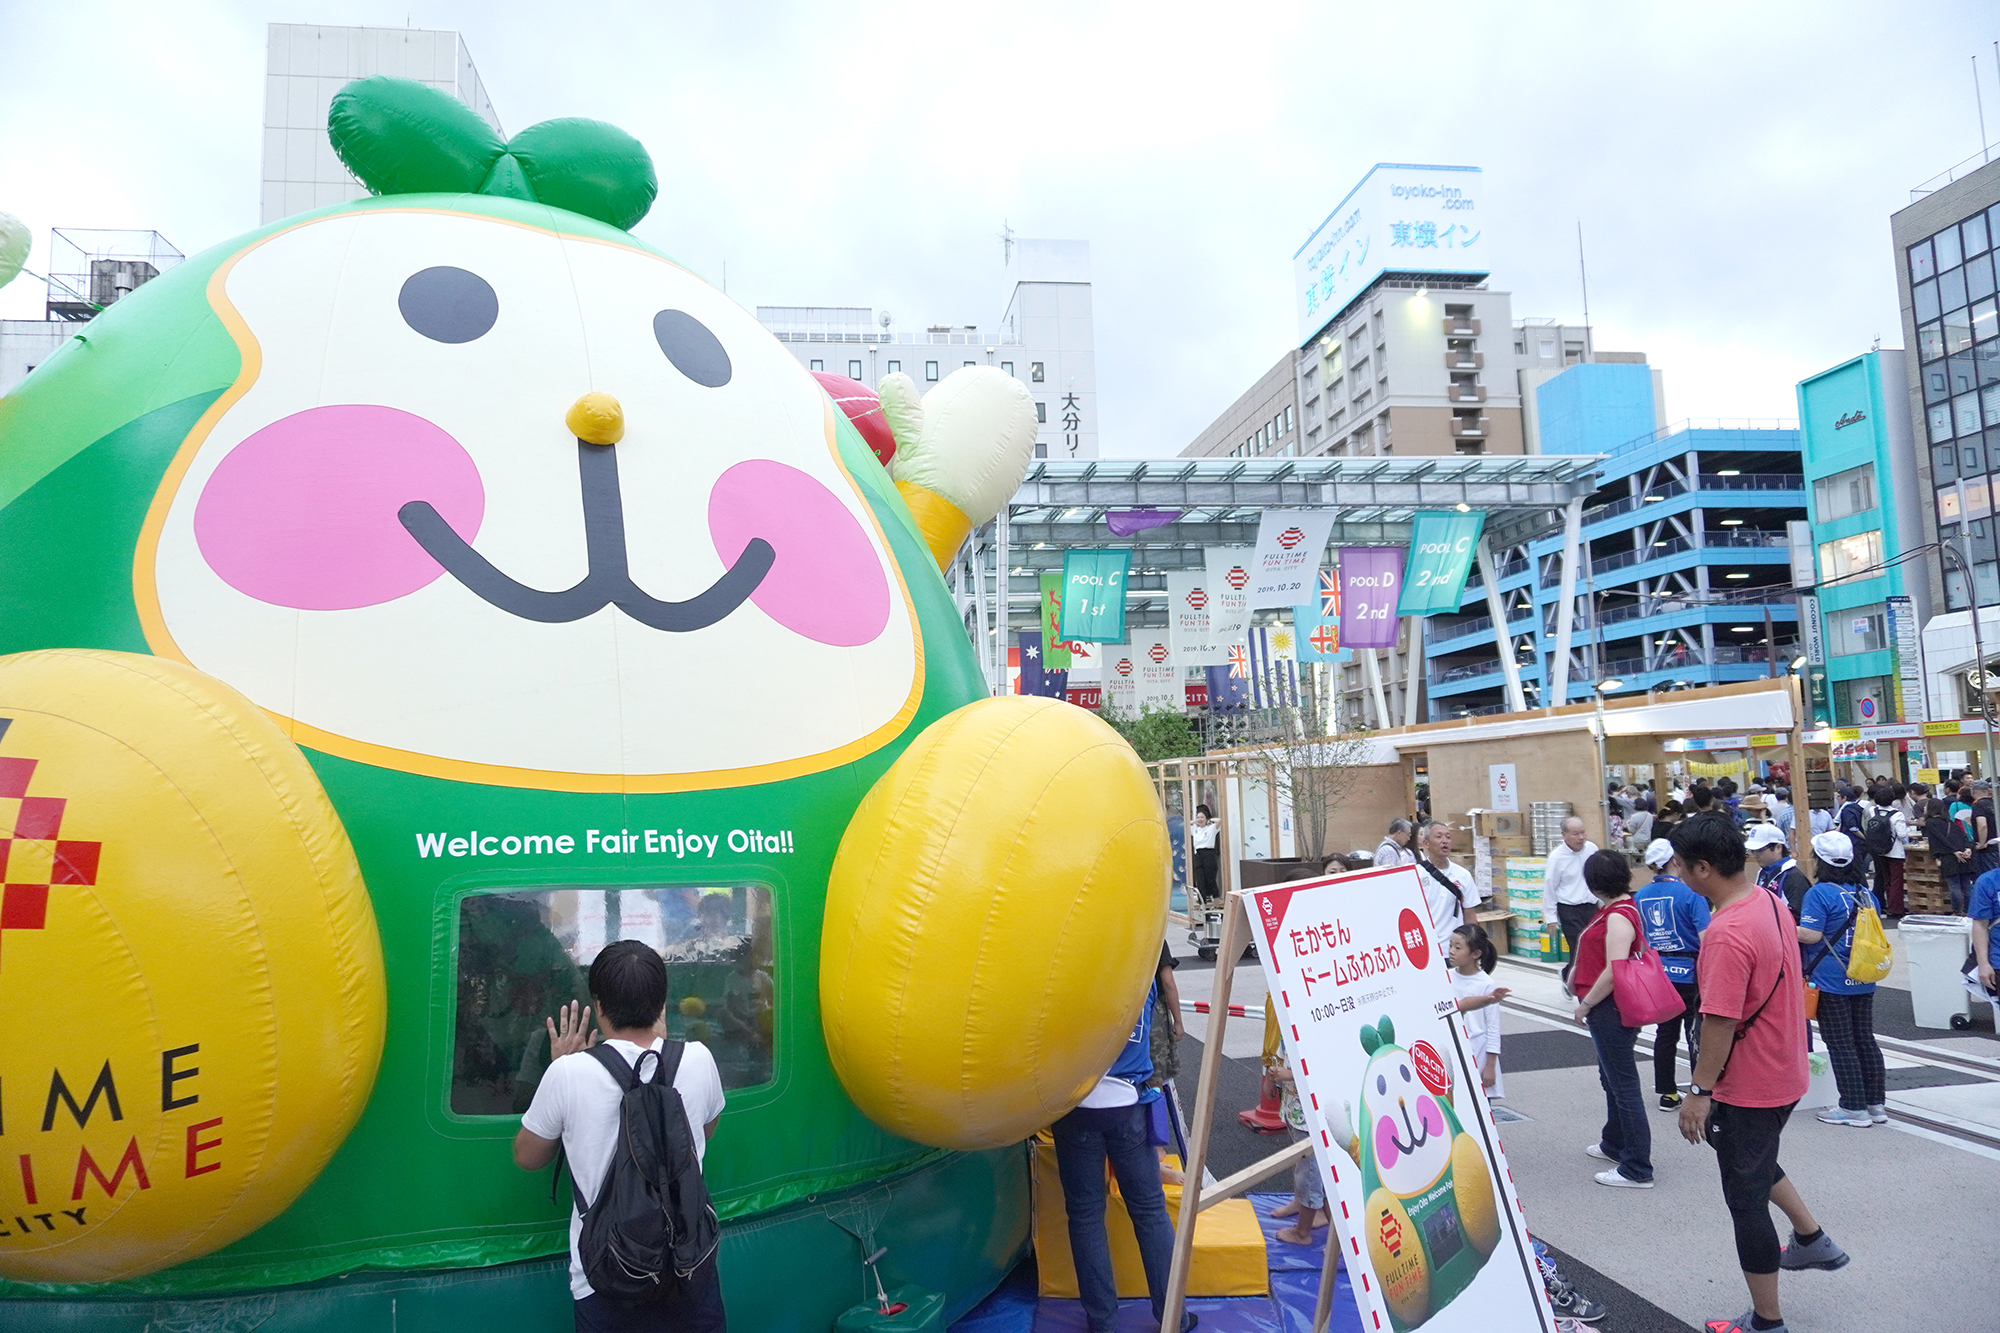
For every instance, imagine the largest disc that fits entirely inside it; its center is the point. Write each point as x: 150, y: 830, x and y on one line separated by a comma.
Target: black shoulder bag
x: 1445, y: 880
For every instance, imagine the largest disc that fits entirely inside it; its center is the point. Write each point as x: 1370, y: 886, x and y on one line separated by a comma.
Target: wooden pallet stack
x: 1923, y: 887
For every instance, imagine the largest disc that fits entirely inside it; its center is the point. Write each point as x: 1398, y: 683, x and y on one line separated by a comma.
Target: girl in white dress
x: 1472, y: 958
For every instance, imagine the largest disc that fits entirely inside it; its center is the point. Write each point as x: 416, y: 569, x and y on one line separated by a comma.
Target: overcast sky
x: 1733, y: 165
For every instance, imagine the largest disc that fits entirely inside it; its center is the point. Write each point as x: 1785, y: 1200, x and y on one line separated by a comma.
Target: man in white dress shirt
x: 1564, y: 886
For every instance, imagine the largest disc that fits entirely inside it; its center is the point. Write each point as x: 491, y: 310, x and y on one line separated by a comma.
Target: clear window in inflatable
x: 522, y: 954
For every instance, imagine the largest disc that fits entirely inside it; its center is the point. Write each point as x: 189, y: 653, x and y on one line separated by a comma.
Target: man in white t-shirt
x: 577, y: 1105
x: 1449, y: 889
x: 1563, y: 884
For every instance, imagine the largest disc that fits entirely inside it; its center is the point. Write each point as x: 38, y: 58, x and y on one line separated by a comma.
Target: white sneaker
x: 1597, y: 1150
x: 1837, y: 1115
x: 1879, y: 1114
x: 1617, y: 1181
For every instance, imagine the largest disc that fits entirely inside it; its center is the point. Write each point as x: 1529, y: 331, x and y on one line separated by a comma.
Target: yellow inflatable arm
x: 993, y: 920
x: 183, y: 909
x: 961, y: 450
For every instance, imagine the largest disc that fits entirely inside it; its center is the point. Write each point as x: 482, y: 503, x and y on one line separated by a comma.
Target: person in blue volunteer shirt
x: 1112, y: 1125
x: 1674, y: 916
x: 1985, y: 911
x: 1777, y: 872
x: 1846, y: 1007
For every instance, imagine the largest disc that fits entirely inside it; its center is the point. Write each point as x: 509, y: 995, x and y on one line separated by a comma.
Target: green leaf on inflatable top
x: 399, y: 136
x: 14, y: 242
x: 588, y: 167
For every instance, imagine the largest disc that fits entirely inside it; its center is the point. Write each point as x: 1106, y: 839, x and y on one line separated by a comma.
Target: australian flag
x: 1035, y: 680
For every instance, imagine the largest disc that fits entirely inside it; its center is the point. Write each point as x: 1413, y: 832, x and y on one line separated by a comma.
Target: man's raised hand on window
x: 569, y: 1031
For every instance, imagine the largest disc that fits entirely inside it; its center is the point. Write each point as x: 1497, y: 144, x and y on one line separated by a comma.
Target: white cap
x: 1759, y: 836
x: 1833, y: 847
x: 1658, y: 852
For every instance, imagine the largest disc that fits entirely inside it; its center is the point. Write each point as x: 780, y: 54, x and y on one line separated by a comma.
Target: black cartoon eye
x: 695, y: 352
x: 448, y: 305
x: 1381, y: 1084
x: 1404, y: 1070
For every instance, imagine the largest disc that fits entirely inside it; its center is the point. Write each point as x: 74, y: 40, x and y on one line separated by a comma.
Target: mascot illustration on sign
x: 409, y: 598
x: 1430, y: 1219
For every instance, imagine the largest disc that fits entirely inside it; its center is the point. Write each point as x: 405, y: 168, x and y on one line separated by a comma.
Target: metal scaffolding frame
x: 1063, y: 503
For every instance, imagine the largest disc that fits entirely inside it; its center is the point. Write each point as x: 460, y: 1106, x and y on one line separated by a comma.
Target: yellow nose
x: 596, y: 418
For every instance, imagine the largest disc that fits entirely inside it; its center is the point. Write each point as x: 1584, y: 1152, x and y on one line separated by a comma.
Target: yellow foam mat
x: 1229, y: 1257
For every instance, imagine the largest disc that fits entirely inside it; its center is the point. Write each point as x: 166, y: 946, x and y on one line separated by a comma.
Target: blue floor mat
x: 1285, y: 1258
x: 1011, y: 1307
x: 1234, y: 1314
x: 1015, y: 1308
x: 1295, y: 1293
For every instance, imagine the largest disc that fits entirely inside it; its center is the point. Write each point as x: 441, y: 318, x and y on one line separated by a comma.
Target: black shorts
x: 1745, y: 1139
x: 695, y: 1308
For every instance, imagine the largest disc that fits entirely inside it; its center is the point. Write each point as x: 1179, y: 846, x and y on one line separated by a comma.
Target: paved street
x: 1911, y: 1200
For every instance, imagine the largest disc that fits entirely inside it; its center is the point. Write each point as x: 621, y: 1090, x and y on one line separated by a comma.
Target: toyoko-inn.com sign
x: 1401, y: 218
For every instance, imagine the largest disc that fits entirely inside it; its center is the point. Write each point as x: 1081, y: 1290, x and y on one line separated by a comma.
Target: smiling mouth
x: 609, y: 582
x: 1419, y: 1136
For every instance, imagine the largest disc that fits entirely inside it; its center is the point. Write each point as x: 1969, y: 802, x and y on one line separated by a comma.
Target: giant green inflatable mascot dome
x: 405, y: 600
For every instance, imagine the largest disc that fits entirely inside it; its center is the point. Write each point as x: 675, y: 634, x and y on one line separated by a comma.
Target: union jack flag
x: 1239, y: 662
x: 1329, y: 594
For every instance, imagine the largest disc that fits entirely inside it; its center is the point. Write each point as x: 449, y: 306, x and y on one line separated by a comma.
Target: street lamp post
x: 1603, y: 793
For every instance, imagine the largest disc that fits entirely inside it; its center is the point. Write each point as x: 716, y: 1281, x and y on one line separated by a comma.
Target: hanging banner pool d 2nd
x: 1093, y: 595
x: 1423, y: 1209
x: 1371, y: 580
x: 1443, y: 543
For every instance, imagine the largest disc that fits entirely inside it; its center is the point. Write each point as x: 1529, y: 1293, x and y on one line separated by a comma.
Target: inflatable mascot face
x: 1431, y: 1218
x: 393, y: 495
x: 412, y: 597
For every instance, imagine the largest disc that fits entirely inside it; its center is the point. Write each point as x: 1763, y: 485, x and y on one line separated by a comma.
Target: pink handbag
x: 1643, y: 990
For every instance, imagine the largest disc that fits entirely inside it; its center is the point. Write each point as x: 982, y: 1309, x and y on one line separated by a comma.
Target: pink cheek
x: 1386, y: 1152
x: 1430, y: 1117
x: 826, y: 583
x: 303, y: 513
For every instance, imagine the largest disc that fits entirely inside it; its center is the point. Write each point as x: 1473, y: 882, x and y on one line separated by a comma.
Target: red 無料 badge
x: 1415, y: 939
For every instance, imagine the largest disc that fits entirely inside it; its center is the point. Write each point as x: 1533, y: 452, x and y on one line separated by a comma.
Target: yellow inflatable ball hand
x: 993, y: 920
x: 183, y: 904
x: 961, y: 449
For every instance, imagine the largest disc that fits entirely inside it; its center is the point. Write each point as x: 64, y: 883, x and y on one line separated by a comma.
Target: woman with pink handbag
x: 1613, y: 938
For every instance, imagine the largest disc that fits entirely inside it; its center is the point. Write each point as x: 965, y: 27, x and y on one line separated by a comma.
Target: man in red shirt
x: 1752, y: 1069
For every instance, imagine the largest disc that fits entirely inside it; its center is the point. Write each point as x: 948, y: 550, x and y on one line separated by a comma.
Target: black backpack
x: 652, y: 1225
x: 1878, y: 835
x: 1956, y: 839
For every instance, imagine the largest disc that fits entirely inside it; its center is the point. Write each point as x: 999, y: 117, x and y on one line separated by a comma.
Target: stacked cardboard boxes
x: 1525, y: 875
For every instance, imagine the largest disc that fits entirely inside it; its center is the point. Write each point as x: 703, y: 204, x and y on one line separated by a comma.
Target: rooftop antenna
x: 1583, y: 270
x: 1006, y: 242
x: 1979, y: 100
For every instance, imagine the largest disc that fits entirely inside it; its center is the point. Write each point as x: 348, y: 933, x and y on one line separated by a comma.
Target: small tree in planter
x: 1310, y: 761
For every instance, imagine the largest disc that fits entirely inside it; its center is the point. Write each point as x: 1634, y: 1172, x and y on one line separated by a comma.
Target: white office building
x: 1044, y: 339
x: 305, y: 65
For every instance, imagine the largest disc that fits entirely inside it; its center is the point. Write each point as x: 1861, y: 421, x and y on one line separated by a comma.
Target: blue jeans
x: 1086, y: 1139
x: 1627, y: 1136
